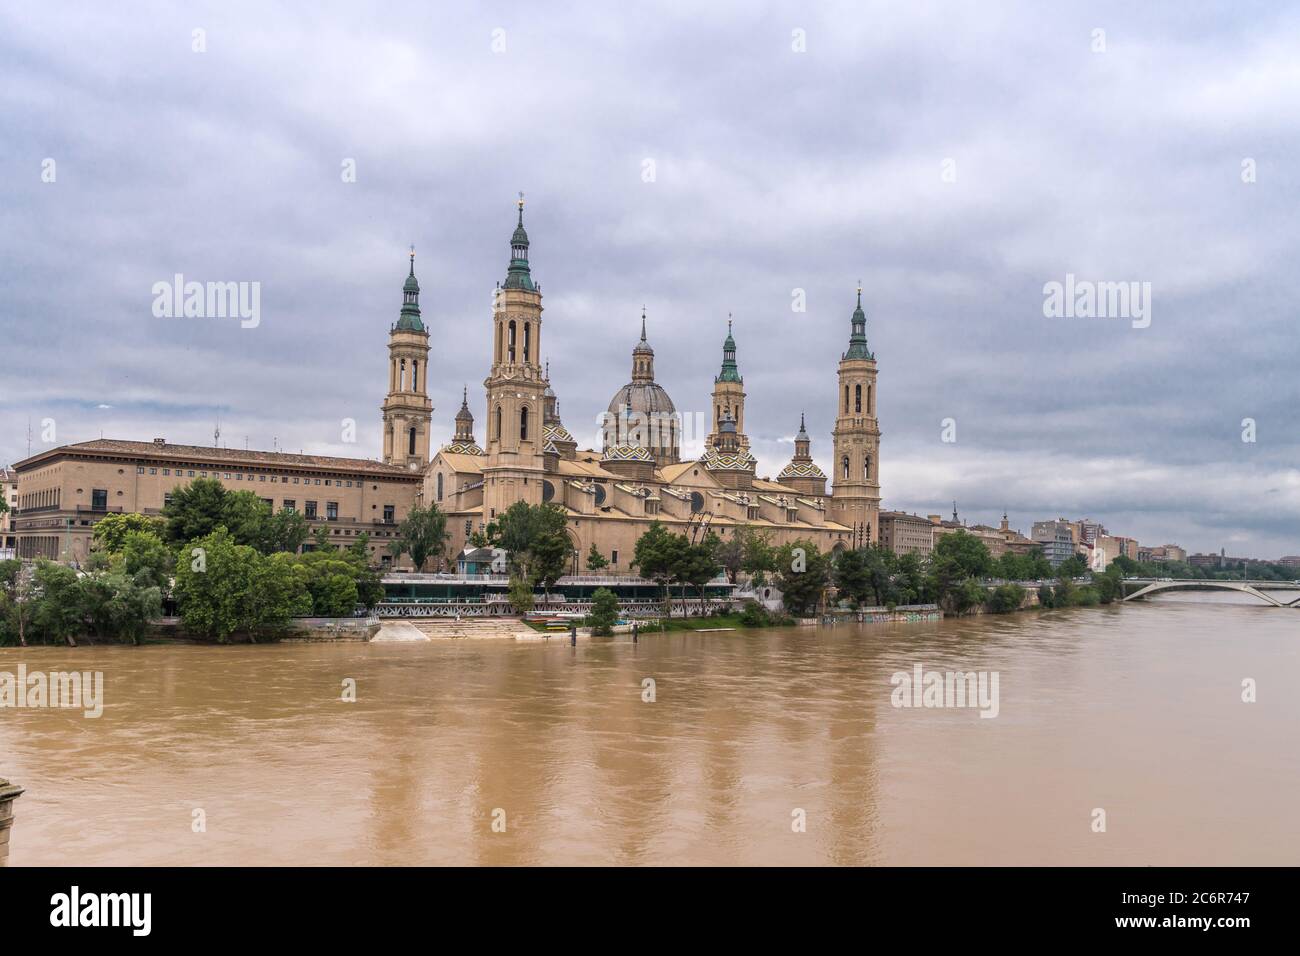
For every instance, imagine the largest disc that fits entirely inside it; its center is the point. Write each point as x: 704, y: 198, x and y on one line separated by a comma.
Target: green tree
x: 195, y: 510
x: 145, y: 559
x: 1109, y: 585
x: 604, y: 612
x: 520, y: 594
x: 549, y: 551
x: 1065, y: 593
x: 247, y: 517
x: 1073, y: 566
x: 657, y: 555
x: 731, y: 555
x: 320, y: 540
x: 958, y: 560
x: 286, y: 530
x: 969, y: 553
x: 909, y: 577
x: 59, y: 613
x: 851, y: 575
x: 534, y: 538
x: 879, y: 563
x: 360, y: 547
x: 331, y: 578
x: 118, y: 607
x: 595, y: 560
x: 760, y: 556
x: 422, y: 534
x: 1005, y: 598
x: 227, y: 588
x: 698, y: 564
x: 802, y: 574
x: 17, y: 598
x: 111, y: 530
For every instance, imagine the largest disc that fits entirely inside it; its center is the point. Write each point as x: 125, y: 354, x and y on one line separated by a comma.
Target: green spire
x: 409, y: 320
x: 729, y: 373
x: 518, y: 276
x: 858, y: 339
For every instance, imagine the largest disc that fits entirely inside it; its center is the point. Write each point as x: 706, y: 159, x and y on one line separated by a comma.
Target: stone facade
x: 906, y: 534
x: 65, y: 491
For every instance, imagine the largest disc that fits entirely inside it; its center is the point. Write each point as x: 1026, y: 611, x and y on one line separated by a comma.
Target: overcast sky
x: 953, y: 157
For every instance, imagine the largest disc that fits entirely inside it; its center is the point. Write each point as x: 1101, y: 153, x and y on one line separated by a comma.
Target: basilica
x: 612, y: 495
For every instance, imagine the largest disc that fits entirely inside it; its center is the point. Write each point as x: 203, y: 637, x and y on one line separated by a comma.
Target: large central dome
x: 641, y: 415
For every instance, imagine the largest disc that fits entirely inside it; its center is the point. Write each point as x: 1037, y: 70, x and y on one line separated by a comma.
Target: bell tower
x: 728, y: 395
x: 516, y: 388
x: 407, y: 409
x: 855, y: 496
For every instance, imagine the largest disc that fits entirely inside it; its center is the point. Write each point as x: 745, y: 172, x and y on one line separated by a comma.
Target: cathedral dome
x: 645, y: 398
x: 641, y: 413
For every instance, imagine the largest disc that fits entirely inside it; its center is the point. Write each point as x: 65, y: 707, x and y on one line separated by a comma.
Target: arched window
x: 523, y: 423
x: 857, y: 398
x: 410, y: 441
x: 866, y: 468
x: 528, y: 339
x: 871, y: 400
x: 497, y: 430
x: 401, y: 377
x: 415, y: 375
x: 844, y: 467
x: 846, y: 398
x: 439, y: 486
x: 510, y: 338
x: 499, y: 334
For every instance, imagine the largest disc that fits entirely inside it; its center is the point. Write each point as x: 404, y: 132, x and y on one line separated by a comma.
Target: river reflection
x: 1136, y: 710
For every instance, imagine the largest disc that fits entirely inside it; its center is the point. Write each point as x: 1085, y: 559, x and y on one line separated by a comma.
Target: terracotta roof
x: 236, y: 457
x: 469, y: 464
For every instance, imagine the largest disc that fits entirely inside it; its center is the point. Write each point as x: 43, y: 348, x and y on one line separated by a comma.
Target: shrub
x: 1004, y: 598
x: 604, y: 612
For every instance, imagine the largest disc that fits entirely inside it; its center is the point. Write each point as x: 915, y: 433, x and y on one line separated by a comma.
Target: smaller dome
x: 801, y: 469
x: 463, y: 448
x: 626, y: 453
x: 742, y: 460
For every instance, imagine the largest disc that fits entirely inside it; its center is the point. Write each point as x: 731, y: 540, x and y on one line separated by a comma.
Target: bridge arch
x: 1244, y: 587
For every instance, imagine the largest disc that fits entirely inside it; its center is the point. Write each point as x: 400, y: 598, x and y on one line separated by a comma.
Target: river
x: 484, y: 752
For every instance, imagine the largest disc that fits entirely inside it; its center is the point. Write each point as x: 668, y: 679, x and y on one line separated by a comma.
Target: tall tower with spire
x: 728, y: 395
x: 407, y: 409
x: 855, y: 496
x: 516, y: 387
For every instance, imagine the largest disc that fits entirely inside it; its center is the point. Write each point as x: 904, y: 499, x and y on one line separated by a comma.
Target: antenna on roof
x: 216, y: 434
x: 29, y: 436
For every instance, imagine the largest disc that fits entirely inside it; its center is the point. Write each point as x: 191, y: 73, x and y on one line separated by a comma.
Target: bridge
x: 1254, y: 588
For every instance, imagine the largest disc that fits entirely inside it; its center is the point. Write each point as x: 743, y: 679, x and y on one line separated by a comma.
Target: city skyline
x: 746, y: 206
